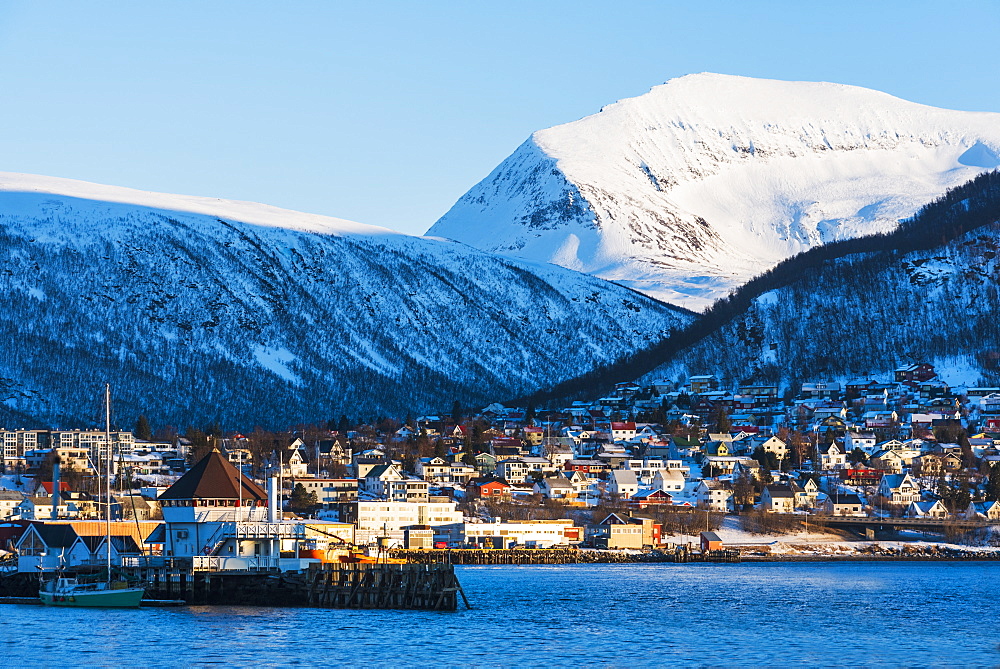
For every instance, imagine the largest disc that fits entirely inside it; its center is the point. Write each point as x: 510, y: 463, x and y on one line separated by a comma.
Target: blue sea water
x: 760, y: 614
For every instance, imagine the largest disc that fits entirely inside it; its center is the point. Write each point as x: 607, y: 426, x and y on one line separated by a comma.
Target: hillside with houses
x: 646, y: 467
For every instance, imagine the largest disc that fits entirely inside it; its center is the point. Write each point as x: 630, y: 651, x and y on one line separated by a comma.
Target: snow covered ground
x: 824, y: 543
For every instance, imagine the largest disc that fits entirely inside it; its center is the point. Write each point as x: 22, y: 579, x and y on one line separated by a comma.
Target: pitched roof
x: 56, y: 535
x: 624, y: 477
x: 63, y: 486
x: 213, y: 477
x: 845, y: 498
x: 659, y: 494
x: 123, y: 543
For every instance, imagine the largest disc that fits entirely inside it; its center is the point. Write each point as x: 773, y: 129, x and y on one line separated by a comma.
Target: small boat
x: 71, y: 592
x: 65, y: 591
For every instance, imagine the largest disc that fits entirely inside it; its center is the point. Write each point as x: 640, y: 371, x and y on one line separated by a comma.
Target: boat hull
x: 119, y: 599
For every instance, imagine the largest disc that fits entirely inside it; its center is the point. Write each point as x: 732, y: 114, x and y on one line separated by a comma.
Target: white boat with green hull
x: 71, y: 592
x: 65, y: 591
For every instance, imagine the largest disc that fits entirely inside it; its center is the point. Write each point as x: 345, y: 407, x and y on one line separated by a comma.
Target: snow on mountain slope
x: 194, y: 314
x: 247, y: 212
x: 706, y: 181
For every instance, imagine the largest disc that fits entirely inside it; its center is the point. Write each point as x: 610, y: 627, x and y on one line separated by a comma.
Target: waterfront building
x: 384, y: 518
x: 54, y: 544
x: 622, y: 531
x: 530, y: 533
x: 214, y: 511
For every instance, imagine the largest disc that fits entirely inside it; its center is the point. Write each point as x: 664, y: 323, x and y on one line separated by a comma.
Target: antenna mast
x: 107, y: 437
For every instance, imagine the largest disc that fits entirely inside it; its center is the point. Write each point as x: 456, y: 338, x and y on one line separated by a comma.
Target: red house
x: 710, y: 541
x: 493, y: 489
x: 645, y: 498
x: 862, y: 476
x: 917, y: 373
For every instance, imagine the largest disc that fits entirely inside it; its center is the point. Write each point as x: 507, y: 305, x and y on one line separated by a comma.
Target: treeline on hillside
x: 962, y: 209
x: 865, y: 313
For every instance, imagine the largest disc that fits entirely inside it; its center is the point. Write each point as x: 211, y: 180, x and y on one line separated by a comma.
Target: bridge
x: 869, y: 524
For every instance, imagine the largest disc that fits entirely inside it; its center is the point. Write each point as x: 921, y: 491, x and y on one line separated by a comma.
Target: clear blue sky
x: 387, y: 112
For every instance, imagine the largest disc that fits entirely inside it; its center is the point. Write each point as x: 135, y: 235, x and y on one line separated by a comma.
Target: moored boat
x: 67, y: 591
x: 71, y: 592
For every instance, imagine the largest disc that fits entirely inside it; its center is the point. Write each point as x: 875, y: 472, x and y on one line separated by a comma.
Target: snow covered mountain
x: 198, y: 310
x: 706, y: 181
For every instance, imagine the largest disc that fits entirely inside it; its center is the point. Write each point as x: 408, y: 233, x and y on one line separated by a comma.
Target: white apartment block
x: 377, y: 518
x: 538, y: 533
x: 94, y: 440
x: 16, y: 442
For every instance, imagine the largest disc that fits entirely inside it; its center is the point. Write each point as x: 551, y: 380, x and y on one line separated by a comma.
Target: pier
x: 331, y: 585
x: 430, y: 587
x: 525, y: 556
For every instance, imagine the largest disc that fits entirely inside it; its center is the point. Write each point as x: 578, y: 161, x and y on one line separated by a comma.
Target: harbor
x: 563, y: 615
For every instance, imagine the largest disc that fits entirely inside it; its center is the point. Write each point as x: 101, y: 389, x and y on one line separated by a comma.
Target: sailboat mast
x: 107, y: 438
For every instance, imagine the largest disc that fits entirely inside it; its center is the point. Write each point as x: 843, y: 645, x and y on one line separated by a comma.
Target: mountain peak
x: 707, y: 180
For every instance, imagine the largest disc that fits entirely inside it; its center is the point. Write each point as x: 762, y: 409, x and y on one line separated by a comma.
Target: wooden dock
x: 171, y: 582
x: 353, y: 586
x: 432, y: 587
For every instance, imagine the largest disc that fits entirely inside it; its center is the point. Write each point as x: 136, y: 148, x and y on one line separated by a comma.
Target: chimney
x: 273, y: 512
x: 55, y: 488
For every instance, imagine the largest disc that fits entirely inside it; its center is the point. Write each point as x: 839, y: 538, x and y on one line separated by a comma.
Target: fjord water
x: 857, y: 614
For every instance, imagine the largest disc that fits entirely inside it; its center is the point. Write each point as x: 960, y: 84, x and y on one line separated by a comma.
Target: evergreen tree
x: 743, y: 491
x: 456, y: 413
x: 768, y: 460
x: 993, y: 485
x: 720, y: 420
x: 143, y: 430
x: 201, y: 444
x: 302, y: 501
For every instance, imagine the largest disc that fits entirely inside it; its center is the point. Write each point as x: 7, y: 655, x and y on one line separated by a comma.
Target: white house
x: 898, y: 489
x: 777, y: 498
x: 433, y: 469
x: 714, y: 495
x: 668, y: 480
x: 832, y: 456
x: 843, y: 504
x: 933, y: 509
x: 622, y: 482
x: 989, y: 510
x: 623, y: 431
x: 555, y: 487
x: 863, y: 440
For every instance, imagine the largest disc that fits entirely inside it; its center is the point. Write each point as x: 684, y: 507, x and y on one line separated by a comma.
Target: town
x: 644, y: 468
